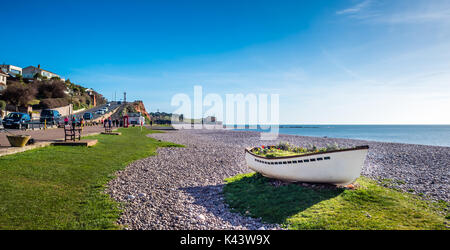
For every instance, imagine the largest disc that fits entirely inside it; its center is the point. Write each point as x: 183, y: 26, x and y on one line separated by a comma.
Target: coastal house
x: 210, y: 119
x: 3, y: 77
x: 30, y: 71
x: 11, y: 69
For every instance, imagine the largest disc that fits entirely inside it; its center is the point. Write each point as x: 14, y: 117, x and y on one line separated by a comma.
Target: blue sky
x: 331, y: 62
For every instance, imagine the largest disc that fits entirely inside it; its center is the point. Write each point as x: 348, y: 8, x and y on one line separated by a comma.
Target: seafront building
x: 3, y: 77
x: 136, y: 118
x: 8, y: 70
x: 11, y: 69
x: 30, y: 71
x: 209, y: 119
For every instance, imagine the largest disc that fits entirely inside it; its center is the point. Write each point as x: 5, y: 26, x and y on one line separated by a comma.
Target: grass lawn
x: 370, y: 206
x: 61, y: 187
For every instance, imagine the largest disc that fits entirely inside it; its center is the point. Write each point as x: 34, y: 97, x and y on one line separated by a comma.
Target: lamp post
x: 71, y: 104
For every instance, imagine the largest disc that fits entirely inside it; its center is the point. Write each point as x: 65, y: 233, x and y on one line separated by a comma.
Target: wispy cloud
x: 352, y: 73
x: 398, y: 12
x: 355, y: 9
x: 420, y: 16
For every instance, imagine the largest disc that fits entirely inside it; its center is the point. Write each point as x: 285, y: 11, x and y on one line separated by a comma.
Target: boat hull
x: 340, y: 167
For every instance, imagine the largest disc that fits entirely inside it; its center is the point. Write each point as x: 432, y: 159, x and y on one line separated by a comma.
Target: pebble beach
x: 181, y: 187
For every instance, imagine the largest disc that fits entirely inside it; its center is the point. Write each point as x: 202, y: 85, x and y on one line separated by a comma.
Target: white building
x: 136, y: 118
x: 209, y: 119
x: 11, y: 69
x: 3, y: 80
x: 30, y: 71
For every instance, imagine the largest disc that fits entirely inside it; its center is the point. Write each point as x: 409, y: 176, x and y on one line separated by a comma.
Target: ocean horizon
x: 434, y: 135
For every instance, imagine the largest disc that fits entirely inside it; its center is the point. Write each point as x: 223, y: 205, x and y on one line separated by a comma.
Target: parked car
x: 16, y: 120
x: 88, y: 116
x: 100, y: 111
x: 51, y: 116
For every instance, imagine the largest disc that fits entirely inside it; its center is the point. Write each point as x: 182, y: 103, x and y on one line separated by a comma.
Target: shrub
x: 19, y: 94
x: 18, y: 78
x: 54, y: 103
x: 333, y: 146
x: 300, y: 150
x: 50, y: 89
x: 284, y: 146
x: 37, y: 76
x: 2, y: 105
x: 131, y: 109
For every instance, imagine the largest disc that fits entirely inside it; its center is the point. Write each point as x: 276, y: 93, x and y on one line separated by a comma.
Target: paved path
x: 52, y: 134
x: 44, y: 135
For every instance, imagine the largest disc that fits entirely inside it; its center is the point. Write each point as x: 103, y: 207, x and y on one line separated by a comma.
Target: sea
x: 435, y: 135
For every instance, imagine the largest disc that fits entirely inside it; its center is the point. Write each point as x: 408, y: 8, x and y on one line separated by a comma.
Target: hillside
x: 132, y: 107
x: 48, y: 93
x: 139, y: 107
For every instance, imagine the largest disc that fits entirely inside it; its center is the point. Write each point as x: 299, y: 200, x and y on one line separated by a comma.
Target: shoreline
x: 382, y: 140
x: 184, y: 185
x: 328, y: 137
x: 362, y: 140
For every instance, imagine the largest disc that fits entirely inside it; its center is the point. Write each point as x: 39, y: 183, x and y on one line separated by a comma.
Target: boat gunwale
x: 248, y: 150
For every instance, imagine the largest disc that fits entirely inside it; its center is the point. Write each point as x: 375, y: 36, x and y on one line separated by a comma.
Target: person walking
x: 109, y: 122
x: 74, y: 121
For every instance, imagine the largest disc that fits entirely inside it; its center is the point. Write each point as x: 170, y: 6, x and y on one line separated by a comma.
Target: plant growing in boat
x: 286, y: 149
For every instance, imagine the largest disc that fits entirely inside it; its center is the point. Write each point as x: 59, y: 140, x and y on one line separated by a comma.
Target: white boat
x: 340, y: 167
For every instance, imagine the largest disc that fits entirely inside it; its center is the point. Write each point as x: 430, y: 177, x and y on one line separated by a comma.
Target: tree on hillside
x: 50, y: 89
x: 19, y: 94
x: 130, y: 109
x: 75, y: 89
x: 37, y: 76
x: 2, y: 107
x: 68, y: 83
x: 19, y: 78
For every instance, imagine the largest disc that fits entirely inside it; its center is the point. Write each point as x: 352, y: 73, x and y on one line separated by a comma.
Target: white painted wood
x: 343, y: 167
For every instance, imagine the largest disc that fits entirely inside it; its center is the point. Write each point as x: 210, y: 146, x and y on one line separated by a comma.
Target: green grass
x: 370, y: 206
x: 159, y: 125
x: 61, y: 187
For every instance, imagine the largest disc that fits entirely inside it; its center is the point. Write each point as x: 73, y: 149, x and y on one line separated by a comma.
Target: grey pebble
x: 183, y: 185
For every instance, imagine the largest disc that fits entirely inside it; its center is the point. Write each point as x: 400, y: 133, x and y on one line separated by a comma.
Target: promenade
x: 41, y: 137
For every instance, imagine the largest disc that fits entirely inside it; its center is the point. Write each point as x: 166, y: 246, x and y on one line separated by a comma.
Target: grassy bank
x: 61, y: 187
x: 370, y: 206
